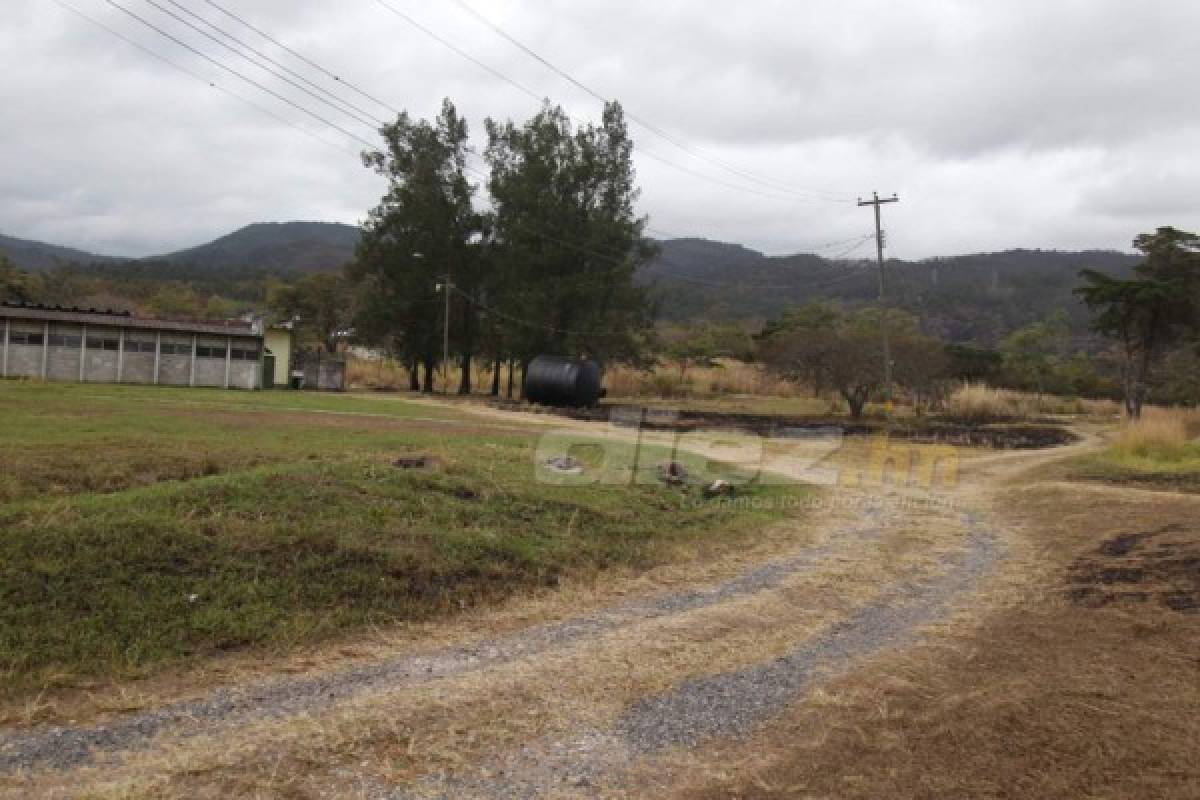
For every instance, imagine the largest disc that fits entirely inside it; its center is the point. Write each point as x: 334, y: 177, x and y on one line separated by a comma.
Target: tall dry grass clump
x: 375, y: 374
x: 1162, y: 434
x: 977, y: 403
x: 666, y: 380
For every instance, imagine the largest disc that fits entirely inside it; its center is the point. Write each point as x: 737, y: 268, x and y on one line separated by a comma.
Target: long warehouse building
x: 86, y: 345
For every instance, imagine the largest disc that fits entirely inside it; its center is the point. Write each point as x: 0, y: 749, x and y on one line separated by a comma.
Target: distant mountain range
x: 39, y: 256
x: 977, y: 297
x: 966, y: 298
x: 284, y: 247
x: 279, y: 247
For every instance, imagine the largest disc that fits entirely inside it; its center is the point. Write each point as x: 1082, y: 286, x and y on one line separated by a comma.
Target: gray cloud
x: 1022, y: 123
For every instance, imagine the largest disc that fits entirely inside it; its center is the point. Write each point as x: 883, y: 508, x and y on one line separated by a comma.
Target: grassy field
x: 148, y: 526
x: 1160, y: 450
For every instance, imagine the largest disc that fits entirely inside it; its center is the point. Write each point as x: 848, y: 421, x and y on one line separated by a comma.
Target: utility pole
x: 877, y: 202
x: 446, y: 288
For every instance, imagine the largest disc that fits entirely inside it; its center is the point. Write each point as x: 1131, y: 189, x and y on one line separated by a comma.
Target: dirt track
x: 565, y: 708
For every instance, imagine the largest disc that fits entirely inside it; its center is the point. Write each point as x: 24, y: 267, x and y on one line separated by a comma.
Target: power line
x: 428, y: 32
x: 352, y: 115
x: 212, y: 84
x: 462, y: 53
x: 237, y: 74
x: 273, y: 62
x: 641, y: 149
x: 615, y: 259
x: 335, y: 126
x: 537, y: 326
x: 797, y: 248
x: 682, y: 145
x: 303, y: 58
x: 619, y: 259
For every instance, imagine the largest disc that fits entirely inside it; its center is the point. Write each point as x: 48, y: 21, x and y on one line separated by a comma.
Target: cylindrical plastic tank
x: 559, y: 381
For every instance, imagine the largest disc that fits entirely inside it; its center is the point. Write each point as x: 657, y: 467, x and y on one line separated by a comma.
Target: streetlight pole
x: 447, y: 287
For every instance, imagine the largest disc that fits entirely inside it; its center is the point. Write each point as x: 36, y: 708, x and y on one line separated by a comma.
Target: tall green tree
x: 567, y: 239
x: 322, y: 302
x: 822, y: 344
x: 799, y: 343
x: 1031, y: 354
x: 423, y: 230
x: 16, y: 284
x: 1150, y: 313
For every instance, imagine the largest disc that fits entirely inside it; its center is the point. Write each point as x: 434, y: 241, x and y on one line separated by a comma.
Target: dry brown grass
x: 382, y: 374
x: 1051, y: 696
x: 1163, y: 433
x: 390, y: 375
x: 728, y: 377
x: 981, y: 404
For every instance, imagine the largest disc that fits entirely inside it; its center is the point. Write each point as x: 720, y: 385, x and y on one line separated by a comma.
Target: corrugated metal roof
x: 115, y: 319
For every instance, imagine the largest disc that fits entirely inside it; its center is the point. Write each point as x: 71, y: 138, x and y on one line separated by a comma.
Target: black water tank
x: 558, y: 381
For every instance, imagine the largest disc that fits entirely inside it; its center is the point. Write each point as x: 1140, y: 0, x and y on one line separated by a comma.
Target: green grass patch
x: 137, y: 531
x: 1154, y: 465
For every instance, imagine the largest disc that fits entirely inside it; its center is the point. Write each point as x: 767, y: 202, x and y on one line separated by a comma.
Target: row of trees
x: 140, y: 288
x: 1153, y: 320
x: 547, y: 267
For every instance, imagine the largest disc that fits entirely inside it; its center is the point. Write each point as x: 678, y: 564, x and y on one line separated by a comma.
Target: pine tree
x: 423, y: 230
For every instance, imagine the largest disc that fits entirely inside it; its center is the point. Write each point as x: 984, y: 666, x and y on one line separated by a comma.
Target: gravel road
x: 62, y: 747
x: 722, y: 705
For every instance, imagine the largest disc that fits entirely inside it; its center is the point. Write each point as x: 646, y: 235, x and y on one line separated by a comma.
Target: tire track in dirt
x: 65, y: 747
x: 721, y: 705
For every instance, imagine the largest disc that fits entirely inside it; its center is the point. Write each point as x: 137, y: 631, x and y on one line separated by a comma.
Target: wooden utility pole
x: 877, y: 202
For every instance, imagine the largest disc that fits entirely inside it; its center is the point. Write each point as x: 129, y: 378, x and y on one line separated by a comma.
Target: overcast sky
x: 1023, y: 123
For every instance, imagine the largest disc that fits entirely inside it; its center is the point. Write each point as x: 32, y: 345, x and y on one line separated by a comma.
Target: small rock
x: 719, y: 488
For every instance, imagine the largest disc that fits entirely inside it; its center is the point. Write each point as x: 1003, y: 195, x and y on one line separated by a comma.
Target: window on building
x: 26, y: 338
x: 99, y: 343
x: 139, y: 346
x: 72, y: 340
x: 210, y: 351
x: 241, y: 354
x: 176, y: 349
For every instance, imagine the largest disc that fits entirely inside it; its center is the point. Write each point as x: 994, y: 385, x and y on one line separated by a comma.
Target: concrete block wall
x: 63, y: 364
x: 100, y: 366
x: 108, y: 355
x: 138, y: 368
x: 210, y: 372
x: 24, y: 361
x: 244, y: 375
x: 175, y: 370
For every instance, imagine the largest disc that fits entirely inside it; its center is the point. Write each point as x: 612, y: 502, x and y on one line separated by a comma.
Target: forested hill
x: 963, y: 298
x: 278, y: 247
x: 39, y: 256
x: 282, y: 248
